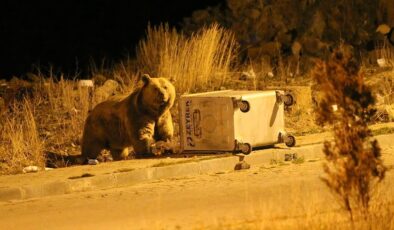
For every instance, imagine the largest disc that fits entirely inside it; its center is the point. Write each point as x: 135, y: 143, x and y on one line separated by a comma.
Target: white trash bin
x: 233, y: 121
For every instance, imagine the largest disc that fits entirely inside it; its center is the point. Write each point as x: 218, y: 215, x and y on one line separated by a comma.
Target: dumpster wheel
x: 290, y: 141
x: 288, y: 99
x: 244, y: 106
x: 245, y: 148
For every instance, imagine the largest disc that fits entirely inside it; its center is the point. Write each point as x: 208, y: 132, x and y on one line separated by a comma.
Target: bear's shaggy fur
x: 138, y: 120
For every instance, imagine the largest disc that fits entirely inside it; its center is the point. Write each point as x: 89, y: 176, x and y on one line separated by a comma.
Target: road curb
x: 207, y: 166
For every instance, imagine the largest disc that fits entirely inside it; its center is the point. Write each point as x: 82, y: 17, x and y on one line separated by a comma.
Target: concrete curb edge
x: 133, y: 177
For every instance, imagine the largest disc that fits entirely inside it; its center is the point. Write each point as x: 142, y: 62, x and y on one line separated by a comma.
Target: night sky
x: 70, y: 33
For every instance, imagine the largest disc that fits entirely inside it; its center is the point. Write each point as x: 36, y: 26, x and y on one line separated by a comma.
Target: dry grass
x: 314, y: 210
x: 385, y: 51
x: 388, y: 86
x: 383, y: 79
x: 300, y: 119
x: 51, y: 120
x: 387, y: 90
x: 20, y: 144
x: 126, y: 73
x: 381, y: 219
x: 198, y: 63
x: 63, y: 112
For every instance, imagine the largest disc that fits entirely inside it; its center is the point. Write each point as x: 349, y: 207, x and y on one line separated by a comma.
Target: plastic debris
x: 242, y: 165
x: 382, y: 62
x: 31, y: 169
x: 93, y: 162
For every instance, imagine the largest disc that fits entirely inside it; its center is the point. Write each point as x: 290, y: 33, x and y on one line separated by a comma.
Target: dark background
x: 69, y: 34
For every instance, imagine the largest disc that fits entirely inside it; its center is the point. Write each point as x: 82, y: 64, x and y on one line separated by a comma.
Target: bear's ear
x: 145, y: 78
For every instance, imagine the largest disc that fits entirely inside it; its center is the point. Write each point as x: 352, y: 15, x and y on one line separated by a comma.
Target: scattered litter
x: 31, y: 169
x: 93, y: 162
x: 242, y: 165
x: 85, y: 83
x: 383, y: 29
x: 291, y: 156
x: 247, y: 75
x: 48, y: 169
x: 74, y: 111
x: 382, y: 62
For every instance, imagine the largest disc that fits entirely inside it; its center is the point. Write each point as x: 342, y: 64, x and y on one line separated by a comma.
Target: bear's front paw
x: 161, y: 147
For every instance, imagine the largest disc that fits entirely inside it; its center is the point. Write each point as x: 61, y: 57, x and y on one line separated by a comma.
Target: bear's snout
x: 163, y: 98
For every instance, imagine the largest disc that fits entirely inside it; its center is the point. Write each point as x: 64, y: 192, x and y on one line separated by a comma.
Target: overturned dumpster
x: 233, y: 121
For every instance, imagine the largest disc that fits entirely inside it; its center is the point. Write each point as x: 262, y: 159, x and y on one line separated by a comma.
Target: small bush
x: 353, y: 158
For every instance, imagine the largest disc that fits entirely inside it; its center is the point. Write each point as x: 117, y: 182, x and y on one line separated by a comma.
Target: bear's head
x: 158, y: 95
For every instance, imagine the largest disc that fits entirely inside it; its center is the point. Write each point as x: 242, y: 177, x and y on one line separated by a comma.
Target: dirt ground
x: 272, y: 196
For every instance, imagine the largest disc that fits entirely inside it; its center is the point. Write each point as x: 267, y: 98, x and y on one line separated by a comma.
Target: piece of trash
x: 247, y: 75
x: 382, y: 62
x: 270, y: 74
x: 93, y: 162
x: 383, y: 29
x: 31, y: 169
x: 75, y: 111
x: 242, y: 165
x: 48, y: 169
x: 334, y: 107
x: 85, y: 83
x: 291, y: 156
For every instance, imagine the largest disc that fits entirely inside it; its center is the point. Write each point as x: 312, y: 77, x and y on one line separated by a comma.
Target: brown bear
x: 138, y: 120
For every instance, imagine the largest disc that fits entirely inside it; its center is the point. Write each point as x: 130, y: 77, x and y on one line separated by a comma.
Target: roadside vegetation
x: 195, y: 63
x: 353, y: 160
x: 46, y: 114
